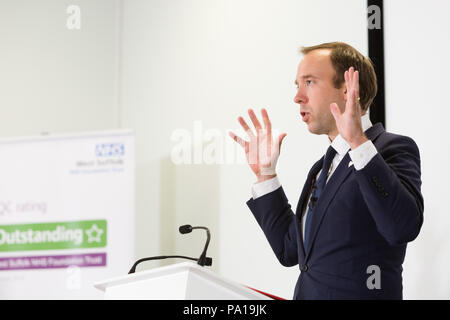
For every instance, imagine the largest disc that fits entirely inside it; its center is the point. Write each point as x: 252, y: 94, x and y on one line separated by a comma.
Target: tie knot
x: 331, y: 152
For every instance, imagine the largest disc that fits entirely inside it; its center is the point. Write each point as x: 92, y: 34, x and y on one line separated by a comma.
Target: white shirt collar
x: 365, y: 121
x: 340, y: 145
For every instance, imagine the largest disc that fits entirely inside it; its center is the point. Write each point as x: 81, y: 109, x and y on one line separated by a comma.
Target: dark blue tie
x: 317, y: 190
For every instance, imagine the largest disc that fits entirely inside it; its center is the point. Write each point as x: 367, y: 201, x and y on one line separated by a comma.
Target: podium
x: 181, y: 281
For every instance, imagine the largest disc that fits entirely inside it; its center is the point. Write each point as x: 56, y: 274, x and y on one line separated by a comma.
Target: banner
x: 66, y: 214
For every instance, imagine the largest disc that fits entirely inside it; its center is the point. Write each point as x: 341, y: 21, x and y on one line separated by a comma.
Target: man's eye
x: 308, y: 82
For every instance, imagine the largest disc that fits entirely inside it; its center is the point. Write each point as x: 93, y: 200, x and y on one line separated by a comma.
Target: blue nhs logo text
x: 110, y: 149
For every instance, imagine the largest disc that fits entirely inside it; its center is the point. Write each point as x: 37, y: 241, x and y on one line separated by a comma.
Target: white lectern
x: 182, y: 281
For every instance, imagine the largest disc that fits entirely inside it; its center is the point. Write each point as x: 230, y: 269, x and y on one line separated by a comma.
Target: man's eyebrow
x: 309, y: 76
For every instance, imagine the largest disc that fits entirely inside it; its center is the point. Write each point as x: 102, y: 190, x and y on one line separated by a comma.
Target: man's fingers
x: 254, y: 120
x: 266, y: 120
x: 349, y: 87
x: 352, y: 85
x: 349, y: 76
x: 268, y: 127
x: 353, y: 95
x: 356, y: 84
x: 239, y: 140
x: 246, y: 127
x: 335, y: 111
x: 280, y: 140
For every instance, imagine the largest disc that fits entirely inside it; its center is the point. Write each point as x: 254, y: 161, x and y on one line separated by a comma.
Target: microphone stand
x: 203, y: 260
x: 133, y: 268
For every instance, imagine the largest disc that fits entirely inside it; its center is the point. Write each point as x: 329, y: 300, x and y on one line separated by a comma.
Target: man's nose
x: 300, y: 97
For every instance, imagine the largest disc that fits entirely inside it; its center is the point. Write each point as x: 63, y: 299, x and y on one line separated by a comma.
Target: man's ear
x: 344, y: 91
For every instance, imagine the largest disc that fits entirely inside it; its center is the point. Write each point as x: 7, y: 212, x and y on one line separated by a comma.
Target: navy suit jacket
x: 363, y: 218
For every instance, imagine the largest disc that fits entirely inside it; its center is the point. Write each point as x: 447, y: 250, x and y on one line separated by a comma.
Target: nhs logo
x: 109, y: 149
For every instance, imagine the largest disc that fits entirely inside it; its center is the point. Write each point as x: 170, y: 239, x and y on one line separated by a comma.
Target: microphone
x: 312, y: 202
x: 203, y: 259
x: 185, y: 229
x: 313, y: 199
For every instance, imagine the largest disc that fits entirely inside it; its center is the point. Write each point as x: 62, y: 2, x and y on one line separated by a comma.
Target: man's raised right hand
x: 262, y: 153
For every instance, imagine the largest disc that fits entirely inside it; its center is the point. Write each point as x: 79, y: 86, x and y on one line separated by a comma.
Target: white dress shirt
x: 360, y: 157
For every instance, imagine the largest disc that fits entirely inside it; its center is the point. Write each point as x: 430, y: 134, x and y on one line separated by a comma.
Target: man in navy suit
x: 361, y: 203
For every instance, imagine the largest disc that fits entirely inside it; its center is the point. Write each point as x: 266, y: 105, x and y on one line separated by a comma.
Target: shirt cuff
x: 262, y: 188
x: 362, y: 155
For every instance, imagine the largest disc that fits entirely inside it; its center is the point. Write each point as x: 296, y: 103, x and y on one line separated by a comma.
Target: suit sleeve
x: 279, y: 224
x: 390, y: 185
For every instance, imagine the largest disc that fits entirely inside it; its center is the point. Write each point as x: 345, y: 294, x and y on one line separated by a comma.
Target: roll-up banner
x: 66, y: 214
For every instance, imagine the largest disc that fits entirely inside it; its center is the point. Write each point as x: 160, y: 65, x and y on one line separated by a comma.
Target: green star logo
x: 94, y: 234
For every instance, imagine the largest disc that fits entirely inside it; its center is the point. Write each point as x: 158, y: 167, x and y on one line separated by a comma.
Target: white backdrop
x: 66, y: 214
x: 417, y: 105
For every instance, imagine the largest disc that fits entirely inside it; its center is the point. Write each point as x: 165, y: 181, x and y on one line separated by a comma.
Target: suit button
x: 304, y: 268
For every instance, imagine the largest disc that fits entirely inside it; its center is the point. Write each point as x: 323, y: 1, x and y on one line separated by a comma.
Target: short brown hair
x: 344, y: 56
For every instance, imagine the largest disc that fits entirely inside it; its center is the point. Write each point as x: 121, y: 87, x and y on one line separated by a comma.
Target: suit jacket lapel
x: 332, y: 186
x: 302, y: 202
x: 373, y: 132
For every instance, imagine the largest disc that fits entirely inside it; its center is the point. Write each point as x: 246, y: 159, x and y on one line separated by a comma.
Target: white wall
x: 417, y: 105
x: 53, y: 79
x: 210, y: 61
